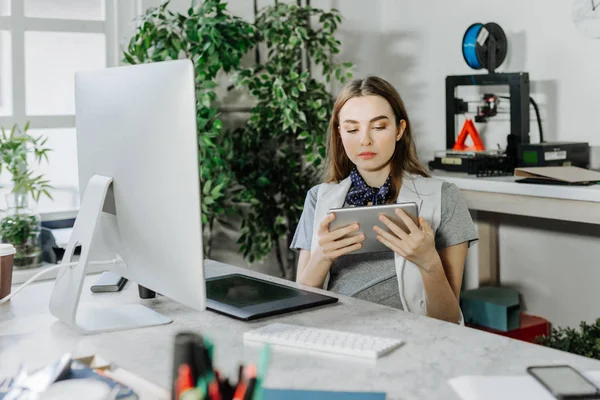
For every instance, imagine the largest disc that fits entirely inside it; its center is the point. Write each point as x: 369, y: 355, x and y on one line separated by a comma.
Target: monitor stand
x: 64, y: 300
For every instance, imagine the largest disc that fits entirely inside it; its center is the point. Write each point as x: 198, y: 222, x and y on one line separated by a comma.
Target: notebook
x: 505, y: 387
x: 558, y: 175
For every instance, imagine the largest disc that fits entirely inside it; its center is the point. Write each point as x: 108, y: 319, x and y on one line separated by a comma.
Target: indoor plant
x: 282, y: 146
x: 215, y: 42
x: 19, y: 225
x: 584, y: 342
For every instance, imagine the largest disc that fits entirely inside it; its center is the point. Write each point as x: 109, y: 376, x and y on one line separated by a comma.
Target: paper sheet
x: 505, y: 387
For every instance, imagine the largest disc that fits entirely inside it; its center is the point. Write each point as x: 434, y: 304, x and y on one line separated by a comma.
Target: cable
x: 54, y: 268
x: 537, y: 115
x: 539, y: 120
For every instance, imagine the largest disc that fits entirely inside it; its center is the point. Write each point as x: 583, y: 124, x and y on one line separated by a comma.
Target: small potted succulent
x: 20, y: 225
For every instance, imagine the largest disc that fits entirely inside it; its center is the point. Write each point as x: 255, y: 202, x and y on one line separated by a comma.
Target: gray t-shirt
x: 372, y: 276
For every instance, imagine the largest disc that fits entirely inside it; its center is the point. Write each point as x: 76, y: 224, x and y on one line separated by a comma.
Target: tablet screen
x: 240, y: 291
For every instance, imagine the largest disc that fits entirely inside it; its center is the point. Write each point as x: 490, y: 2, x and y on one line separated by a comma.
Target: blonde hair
x: 338, y: 166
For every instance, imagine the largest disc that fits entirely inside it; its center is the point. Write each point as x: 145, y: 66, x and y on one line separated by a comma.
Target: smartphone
x: 109, y: 282
x: 564, y: 382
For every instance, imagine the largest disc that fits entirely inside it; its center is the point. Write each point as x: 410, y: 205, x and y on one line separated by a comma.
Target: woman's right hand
x: 333, y: 244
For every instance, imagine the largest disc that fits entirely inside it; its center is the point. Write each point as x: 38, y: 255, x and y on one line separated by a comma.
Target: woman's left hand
x: 418, y: 246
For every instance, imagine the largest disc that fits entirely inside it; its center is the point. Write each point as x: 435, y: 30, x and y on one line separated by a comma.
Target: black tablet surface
x: 244, y: 297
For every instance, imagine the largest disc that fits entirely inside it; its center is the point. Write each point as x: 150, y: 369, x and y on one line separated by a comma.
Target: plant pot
x: 20, y: 226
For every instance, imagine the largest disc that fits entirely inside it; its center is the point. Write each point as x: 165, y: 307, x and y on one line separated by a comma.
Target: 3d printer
x: 485, y: 46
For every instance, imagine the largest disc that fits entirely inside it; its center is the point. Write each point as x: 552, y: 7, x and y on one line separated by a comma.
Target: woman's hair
x: 404, y: 159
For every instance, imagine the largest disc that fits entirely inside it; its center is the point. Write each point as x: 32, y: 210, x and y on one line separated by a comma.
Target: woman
x: 372, y: 160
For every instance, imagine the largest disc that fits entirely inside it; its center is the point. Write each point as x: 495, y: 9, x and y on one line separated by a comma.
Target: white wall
x: 416, y: 44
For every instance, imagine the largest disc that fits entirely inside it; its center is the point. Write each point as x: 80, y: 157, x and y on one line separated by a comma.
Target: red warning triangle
x: 469, y: 129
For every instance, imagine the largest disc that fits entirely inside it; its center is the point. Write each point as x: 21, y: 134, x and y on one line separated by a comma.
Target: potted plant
x: 19, y: 225
x: 584, y: 342
x: 280, y: 149
x: 215, y: 41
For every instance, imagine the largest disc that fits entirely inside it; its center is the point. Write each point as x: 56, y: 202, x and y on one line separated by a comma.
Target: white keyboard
x: 323, y: 340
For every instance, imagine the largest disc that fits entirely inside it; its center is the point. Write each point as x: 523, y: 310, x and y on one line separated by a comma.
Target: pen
x: 263, y: 365
x: 201, y: 386
x: 184, y: 379
x: 250, y: 389
x: 209, y: 348
x: 240, y: 373
x: 214, y: 392
x: 240, y: 390
x: 185, y: 349
x: 251, y: 376
x: 201, y: 361
x: 226, y: 390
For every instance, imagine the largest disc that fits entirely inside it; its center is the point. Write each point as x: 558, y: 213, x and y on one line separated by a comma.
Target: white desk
x: 434, y: 351
x: 505, y: 196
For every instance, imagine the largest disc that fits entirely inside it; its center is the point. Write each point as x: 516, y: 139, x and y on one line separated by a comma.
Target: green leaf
x: 302, y: 87
x: 207, y: 187
x: 303, y: 135
x: 128, y: 58
x: 302, y: 116
x: 208, y: 85
x: 216, y: 192
x: 302, y: 32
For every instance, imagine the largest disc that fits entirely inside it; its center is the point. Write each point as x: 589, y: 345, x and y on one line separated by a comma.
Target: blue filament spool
x: 469, y: 46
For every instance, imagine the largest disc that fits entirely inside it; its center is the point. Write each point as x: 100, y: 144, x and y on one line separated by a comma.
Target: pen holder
x: 184, y: 352
x: 195, y: 378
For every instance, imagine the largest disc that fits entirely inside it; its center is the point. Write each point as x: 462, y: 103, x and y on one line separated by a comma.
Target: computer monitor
x: 138, y: 172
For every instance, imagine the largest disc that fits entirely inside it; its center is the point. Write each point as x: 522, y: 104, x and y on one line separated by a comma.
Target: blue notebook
x: 292, y: 394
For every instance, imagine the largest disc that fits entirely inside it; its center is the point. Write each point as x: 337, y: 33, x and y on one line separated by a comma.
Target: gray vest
x: 426, y: 192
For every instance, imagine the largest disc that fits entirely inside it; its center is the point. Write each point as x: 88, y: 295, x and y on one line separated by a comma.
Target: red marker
x: 213, y: 391
x: 184, y: 379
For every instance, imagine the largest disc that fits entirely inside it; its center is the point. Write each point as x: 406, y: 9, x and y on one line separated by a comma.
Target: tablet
x: 367, y: 217
x: 247, y: 298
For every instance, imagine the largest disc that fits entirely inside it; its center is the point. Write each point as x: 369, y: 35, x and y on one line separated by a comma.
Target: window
x: 5, y: 74
x: 42, y: 44
x: 4, y: 7
x: 88, y: 10
x: 51, y: 60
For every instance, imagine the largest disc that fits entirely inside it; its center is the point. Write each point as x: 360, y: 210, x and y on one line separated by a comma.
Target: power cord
x: 537, y: 115
x: 46, y: 270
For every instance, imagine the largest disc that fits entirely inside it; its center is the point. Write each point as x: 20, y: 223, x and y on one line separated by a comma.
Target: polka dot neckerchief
x: 360, y: 194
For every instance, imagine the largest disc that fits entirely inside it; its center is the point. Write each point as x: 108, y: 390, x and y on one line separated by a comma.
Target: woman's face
x: 369, y: 132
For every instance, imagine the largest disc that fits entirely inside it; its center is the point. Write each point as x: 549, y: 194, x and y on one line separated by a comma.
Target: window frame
x: 17, y: 23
